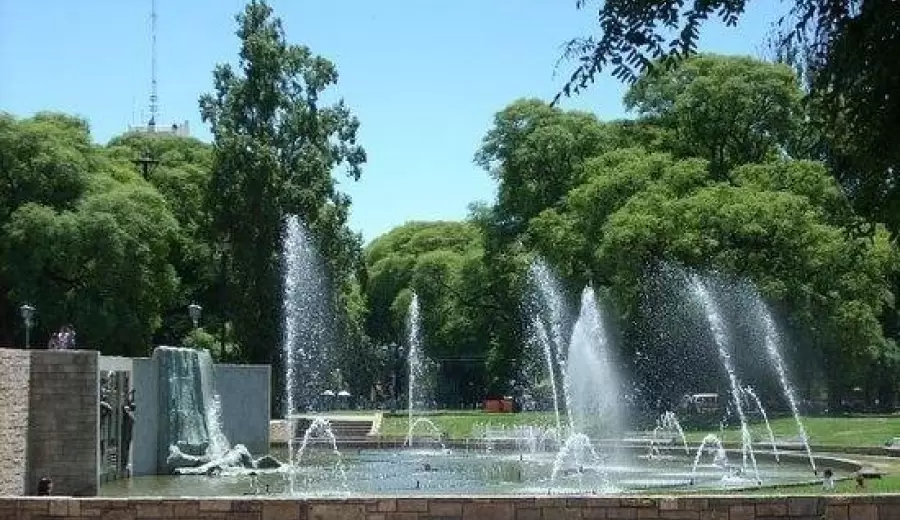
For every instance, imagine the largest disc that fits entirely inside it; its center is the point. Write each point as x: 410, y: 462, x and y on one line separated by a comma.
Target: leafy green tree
x: 848, y: 55
x: 276, y: 145
x: 103, y: 265
x: 846, y: 50
x: 728, y: 110
x: 182, y: 177
x: 774, y: 223
x: 535, y: 151
x: 638, y: 35
x: 46, y: 159
x: 442, y: 263
x: 48, y: 164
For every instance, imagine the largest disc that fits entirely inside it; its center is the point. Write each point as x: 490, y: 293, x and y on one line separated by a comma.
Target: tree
x: 442, y: 263
x: 103, y: 266
x: 846, y: 50
x: 849, y: 68
x: 181, y: 176
x: 276, y: 145
x: 774, y: 223
x: 728, y: 110
x: 634, y: 34
x: 535, y: 151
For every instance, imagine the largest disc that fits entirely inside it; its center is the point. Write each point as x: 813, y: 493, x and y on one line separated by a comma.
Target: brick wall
x: 884, y: 507
x: 49, y: 421
x: 63, y: 425
x: 14, y: 377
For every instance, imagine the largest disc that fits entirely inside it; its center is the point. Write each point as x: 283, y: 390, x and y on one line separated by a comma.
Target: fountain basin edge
x: 465, y: 508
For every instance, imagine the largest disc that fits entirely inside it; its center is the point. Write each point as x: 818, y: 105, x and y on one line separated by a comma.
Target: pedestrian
x: 828, y: 483
x: 69, y: 341
x: 44, y: 487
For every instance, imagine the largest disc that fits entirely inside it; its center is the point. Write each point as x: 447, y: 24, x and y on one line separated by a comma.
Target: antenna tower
x: 154, y: 105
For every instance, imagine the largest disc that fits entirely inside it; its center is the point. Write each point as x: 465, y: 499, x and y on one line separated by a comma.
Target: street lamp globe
x: 194, y: 311
x: 27, y: 312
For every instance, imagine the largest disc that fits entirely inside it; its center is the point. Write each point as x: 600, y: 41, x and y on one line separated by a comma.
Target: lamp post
x: 146, y: 163
x: 194, y: 311
x: 27, y: 312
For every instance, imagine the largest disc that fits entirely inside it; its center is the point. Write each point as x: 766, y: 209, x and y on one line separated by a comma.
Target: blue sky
x: 424, y: 77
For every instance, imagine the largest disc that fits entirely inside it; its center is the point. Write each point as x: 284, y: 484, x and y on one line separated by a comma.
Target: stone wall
x: 64, y: 421
x: 49, y: 420
x: 878, y: 507
x: 15, y: 367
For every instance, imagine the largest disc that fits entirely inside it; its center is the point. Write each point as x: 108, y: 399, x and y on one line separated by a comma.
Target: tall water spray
x: 721, y: 338
x: 595, y: 399
x: 772, y: 340
x: 304, y: 314
x: 748, y: 390
x: 547, y: 327
x: 416, y: 364
x: 540, y: 334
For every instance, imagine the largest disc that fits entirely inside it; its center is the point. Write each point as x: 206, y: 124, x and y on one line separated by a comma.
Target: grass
x: 459, y: 424
x: 835, y: 431
x: 885, y: 484
x: 831, y: 431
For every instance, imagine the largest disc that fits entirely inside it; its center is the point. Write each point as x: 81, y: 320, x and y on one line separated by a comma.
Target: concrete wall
x: 146, y: 400
x: 245, y: 393
x: 52, y: 402
x: 116, y: 364
x: 15, y: 367
x: 847, y: 507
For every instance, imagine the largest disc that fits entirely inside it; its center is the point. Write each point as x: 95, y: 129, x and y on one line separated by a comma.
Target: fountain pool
x: 387, y: 472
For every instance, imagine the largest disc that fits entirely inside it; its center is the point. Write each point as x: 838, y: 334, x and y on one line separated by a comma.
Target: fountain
x: 666, y: 422
x: 305, y: 318
x: 772, y: 342
x: 562, y: 456
x: 595, y: 401
x: 304, y: 315
x: 749, y: 392
x: 191, y: 419
x: 576, y: 447
x: 319, y: 425
x: 720, y: 456
x: 548, y: 334
x: 590, y: 384
x: 721, y: 340
x: 431, y: 427
x: 187, y: 392
x: 416, y: 368
x: 191, y: 438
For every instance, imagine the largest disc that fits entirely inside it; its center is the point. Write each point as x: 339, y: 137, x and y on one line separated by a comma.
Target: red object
x: 498, y: 405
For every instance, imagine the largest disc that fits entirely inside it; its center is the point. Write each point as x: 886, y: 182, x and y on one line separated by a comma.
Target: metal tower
x: 154, y: 98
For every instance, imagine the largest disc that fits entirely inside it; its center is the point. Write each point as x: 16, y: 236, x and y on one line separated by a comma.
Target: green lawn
x: 837, y: 431
x: 886, y: 484
x: 459, y: 424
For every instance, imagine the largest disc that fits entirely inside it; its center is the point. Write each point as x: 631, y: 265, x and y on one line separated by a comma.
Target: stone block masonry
x: 53, y: 400
x: 874, y: 507
x: 15, y: 366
